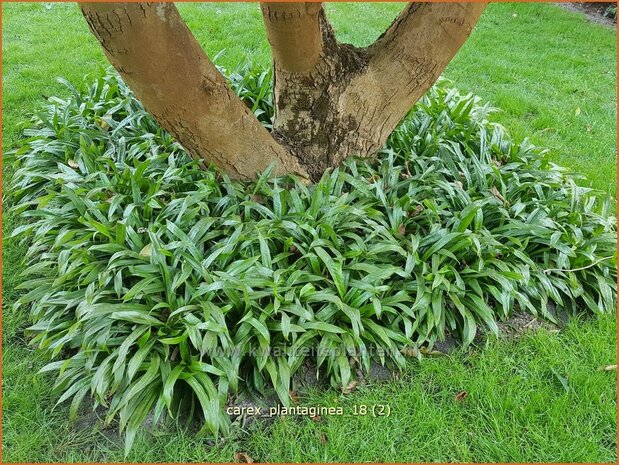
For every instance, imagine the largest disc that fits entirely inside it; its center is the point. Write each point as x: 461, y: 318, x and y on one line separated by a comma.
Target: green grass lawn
x: 552, y: 74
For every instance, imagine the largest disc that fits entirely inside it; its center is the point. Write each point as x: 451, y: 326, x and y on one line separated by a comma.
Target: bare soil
x: 594, y: 11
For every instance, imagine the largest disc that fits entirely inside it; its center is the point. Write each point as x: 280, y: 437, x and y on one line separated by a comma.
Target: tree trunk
x: 310, y: 118
x: 160, y: 60
x: 346, y: 100
x: 332, y: 100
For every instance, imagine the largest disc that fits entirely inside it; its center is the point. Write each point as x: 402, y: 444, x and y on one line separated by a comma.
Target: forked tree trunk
x: 160, y: 60
x: 332, y: 100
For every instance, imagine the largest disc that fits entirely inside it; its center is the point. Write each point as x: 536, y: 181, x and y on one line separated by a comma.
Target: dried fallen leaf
x: 102, y: 123
x: 461, y: 396
x: 418, y: 209
x: 73, y: 164
x: 323, y: 438
x: 316, y: 418
x: 402, y: 229
x: 409, y: 352
x: 243, y: 457
x: 293, y: 397
x: 147, y: 250
x: 424, y: 350
x: 608, y: 368
x: 494, y: 191
x: 350, y: 387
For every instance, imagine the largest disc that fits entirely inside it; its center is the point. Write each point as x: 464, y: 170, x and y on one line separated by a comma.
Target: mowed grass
x: 552, y: 74
x: 516, y: 410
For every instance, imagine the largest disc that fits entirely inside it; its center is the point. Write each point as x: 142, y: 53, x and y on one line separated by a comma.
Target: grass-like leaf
x: 156, y: 285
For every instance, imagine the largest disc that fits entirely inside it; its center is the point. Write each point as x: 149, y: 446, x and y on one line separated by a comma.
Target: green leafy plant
x: 611, y: 11
x: 157, y: 286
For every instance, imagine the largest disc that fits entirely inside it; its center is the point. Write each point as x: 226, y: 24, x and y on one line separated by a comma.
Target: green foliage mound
x: 158, y: 286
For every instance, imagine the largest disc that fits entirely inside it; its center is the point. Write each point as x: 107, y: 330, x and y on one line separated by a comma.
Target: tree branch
x: 425, y: 32
x: 405, y: 61
x: 295, y: 34
x: 156, y: 54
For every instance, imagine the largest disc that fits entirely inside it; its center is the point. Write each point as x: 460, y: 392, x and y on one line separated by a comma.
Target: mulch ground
x: 594, y: 11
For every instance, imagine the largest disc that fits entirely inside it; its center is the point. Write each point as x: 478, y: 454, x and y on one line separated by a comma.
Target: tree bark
x: 345, y: 100
x: 332, y: 100
x: 158, y: 57
x: 404, y: 63
x: 309, y: 119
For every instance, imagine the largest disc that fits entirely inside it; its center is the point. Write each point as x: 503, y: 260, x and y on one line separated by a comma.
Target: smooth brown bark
x: 158, y: 57
x: 332, y: 100
x: 295, y: 34
x: 404, y: 63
